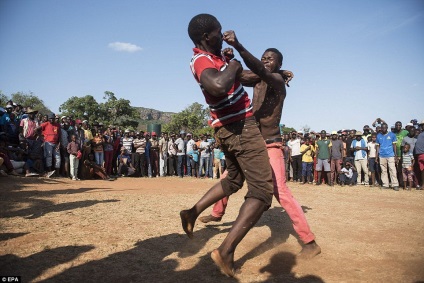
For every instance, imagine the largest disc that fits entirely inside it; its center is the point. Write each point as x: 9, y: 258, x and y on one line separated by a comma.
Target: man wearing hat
x: 419, y: 153
x: 359, y: 147
x: 28, y: 126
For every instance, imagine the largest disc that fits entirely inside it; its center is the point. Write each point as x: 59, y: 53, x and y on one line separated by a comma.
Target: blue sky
x: 353, y: 61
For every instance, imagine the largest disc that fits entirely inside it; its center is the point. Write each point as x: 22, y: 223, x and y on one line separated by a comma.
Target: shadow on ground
x: 13, y: 196
x: 155, y: 259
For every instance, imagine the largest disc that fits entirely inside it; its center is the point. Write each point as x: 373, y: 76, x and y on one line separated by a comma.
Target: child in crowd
x: 194, y: 159
x: 348, y: 175
x: 407, y: 165
x: 73, y: 148
x: 372, y: 164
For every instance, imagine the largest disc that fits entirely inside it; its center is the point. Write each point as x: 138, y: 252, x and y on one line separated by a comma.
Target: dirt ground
x: 57, y: 230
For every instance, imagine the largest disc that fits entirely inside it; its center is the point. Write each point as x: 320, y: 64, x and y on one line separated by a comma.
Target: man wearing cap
x: 51, y: 132
x: 127, y: 141
x: 367, y: 132
x: 336, y: 157
x: 189, y: 148
x: 386, y: 155
x: 359, y: 147
x: 419, y: 153
x: 28, y: 126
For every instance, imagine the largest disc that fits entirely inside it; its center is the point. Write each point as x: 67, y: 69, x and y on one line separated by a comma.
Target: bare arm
x: 272, y: 79
x: 218, y: 83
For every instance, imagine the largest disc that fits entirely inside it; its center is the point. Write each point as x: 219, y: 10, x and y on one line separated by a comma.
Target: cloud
x: 124, y: 47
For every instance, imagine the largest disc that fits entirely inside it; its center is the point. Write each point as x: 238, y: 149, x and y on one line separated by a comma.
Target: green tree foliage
x: 287, y: 130
x: 85, y: 107
x: 3, y: 99
x: 192, y: 119
x: 118, y: 111
x: 25, y: 99
x: 114, y: 111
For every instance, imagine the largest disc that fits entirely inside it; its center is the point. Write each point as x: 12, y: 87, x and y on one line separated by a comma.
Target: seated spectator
x: 96, y: 171
x: 34, y: 162
x: 7, y: 166
x: 348, y: 175
x: 125, y: 167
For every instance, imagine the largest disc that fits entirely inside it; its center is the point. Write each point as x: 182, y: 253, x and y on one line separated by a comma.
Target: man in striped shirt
x: 237, y: 133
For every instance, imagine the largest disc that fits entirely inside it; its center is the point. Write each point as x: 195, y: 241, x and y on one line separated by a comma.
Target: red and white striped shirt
x: 224, y: 110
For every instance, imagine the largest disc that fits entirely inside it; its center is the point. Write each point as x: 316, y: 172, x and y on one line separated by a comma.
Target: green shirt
x: 399, y: 139
x: 324, y: 149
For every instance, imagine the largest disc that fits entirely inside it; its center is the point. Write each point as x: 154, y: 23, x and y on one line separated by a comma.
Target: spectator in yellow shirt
x: 307, y: 150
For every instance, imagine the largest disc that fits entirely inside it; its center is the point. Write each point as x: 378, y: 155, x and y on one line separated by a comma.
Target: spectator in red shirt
x: 51, y: 132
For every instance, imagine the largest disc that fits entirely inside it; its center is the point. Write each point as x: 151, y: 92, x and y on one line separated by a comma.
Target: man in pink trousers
x: 268, y: 100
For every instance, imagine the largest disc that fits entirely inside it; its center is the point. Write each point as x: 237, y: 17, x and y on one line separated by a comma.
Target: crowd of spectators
x: 376, y: 156
x: 33, y: 144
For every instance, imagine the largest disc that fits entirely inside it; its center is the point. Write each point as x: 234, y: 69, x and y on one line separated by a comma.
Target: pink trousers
x: 281, y: 192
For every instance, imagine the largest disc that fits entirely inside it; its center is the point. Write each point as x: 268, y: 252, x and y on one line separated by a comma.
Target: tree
x: 85, y: 107
x: 287, y: 130
x: 25, y: 99
x: 192, y: 119
x: 117, y: 111
x: 3, y: 99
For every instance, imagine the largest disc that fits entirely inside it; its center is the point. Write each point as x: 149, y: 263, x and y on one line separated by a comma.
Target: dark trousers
x: 296, y: 162
x: 171, y: 165
x: 138, y: 160
x: 180, y: 165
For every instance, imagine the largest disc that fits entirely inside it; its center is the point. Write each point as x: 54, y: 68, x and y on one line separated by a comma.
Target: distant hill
x: 152, y: 116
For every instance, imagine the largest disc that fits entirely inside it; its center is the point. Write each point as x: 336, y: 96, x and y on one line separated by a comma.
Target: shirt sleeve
x: 200, y: 64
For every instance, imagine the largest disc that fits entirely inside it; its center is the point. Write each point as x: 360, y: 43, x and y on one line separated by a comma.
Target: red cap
x: 153, y: 133
x: 78, y: 121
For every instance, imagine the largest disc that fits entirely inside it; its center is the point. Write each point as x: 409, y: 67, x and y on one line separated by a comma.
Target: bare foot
x: 226, y: 268
x: 187, y: 221
x: 209, y: 218
x: 309, y: 251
